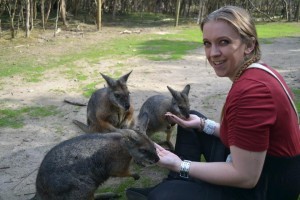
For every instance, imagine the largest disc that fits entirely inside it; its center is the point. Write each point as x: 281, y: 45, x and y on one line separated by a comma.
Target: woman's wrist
x: 201, y: 124
x: 208, y: 126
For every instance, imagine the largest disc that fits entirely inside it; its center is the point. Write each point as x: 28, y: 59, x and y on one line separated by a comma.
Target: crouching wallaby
x: 109, y: 108
x: 75, y: 168
x: 158, y: 105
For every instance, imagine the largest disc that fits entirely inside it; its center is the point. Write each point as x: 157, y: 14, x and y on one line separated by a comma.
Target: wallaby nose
x: 187, y: 115
x: 127, y: 106
x: 156, y: 159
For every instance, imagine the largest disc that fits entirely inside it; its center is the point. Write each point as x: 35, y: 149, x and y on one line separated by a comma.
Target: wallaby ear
x: 186, y: 89
x: 124, y: 78
x: 143, y: 123
x: 174, y: 93
x: 110, y: 82
x: 131, y: 139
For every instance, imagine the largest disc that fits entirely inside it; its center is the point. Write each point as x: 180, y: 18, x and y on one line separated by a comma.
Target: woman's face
x: 224, y: 48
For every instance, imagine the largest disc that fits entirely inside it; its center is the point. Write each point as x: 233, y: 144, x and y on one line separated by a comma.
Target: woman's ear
x: 250, y: 46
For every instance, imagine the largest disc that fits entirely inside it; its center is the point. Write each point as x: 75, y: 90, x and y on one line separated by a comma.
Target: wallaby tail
x: 34, y: 198
x: 82, y: 126
x: 106, y: 196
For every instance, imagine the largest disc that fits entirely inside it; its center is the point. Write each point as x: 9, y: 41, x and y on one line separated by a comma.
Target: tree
x: 43, y: 13
x: 27, y: 30
x: 11, y: 7
x: 177, y: 12
x: 99, y: 14
x: 63, y: 12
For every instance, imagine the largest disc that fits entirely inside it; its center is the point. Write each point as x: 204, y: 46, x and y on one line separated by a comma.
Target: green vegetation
x: 144, y: 181
x: 276, y: 30
x: 14, y: 118
x: 297, y: 97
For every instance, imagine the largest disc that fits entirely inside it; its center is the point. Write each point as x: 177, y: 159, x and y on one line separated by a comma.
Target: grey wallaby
x: 158, y: 105
x: 75, y: 168
x: 109, y: 108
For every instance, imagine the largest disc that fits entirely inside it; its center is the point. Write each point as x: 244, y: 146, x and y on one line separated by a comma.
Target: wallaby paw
x: 136, y: 176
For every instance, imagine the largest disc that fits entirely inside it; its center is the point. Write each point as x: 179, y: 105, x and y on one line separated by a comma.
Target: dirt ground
x: 22, y: 150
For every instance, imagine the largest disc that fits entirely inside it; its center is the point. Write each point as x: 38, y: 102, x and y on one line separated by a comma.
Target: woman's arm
x: 244, y: 170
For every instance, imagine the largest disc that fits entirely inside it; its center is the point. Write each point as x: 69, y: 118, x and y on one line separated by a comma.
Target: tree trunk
x: 57, y: 16
x: 177, y: 13
x: 12, y: 12
x: 286, y: 10
x: 31, y: 15
x: 63, y: 12
x: 48, y: 11
x: 27, y: 18
x: 115, y: 3
x: 75, y: 7
x: 200, y: 13
x: 297, y: 11
x: 43, y: 13
x: 0, y: 29
x: 99, y: 15
x: 34, y: 9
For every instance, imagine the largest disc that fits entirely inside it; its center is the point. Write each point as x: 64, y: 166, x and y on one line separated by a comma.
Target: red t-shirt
x: 258, y: 116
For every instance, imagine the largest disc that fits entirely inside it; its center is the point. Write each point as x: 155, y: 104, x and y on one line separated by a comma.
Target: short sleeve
x: 250, y: 113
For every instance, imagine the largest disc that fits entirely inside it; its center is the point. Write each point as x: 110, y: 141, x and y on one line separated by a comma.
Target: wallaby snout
x: 141, y: 148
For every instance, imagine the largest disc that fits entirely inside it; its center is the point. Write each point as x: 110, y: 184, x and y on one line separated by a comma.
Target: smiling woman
x: 254, y: 153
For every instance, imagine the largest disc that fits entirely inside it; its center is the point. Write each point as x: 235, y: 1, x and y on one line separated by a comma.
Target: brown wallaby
x: 75, y: 168
x: 158, y: 105
x: 109, y: 108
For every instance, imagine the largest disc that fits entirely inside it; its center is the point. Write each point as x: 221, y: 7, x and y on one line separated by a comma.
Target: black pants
x: 191, y: 145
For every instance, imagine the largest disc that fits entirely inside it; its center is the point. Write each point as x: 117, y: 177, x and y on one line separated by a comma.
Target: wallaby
x: 109, y: 108
x: 75, y: 168
x: 158, y: 105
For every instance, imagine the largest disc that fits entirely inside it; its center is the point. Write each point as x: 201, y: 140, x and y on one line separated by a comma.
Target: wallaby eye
x: 181, y: 107
x: 143, y: 151
x: 117, y: 95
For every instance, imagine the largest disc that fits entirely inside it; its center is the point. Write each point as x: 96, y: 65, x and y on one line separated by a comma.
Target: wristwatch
x: 184, y: 169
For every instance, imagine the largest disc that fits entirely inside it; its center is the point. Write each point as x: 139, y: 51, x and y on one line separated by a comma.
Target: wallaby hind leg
x: 168, y: 142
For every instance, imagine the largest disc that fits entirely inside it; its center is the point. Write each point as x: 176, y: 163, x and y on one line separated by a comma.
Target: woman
x: 259, y: 157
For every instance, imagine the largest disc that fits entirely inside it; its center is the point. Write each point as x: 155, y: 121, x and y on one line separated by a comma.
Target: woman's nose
x: 215, y: 51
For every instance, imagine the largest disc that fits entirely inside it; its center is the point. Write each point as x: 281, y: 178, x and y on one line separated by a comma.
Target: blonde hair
x: 242, y: 22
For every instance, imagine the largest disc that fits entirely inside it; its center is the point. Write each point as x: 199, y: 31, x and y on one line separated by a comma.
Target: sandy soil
x: 22, y: 150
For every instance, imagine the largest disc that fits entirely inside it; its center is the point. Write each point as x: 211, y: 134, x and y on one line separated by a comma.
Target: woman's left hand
x: 192, y: 122
x: 168, y: 159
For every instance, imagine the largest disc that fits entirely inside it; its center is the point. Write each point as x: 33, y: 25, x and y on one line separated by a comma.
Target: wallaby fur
x: 75, y: 168
x: 109, y: 108
x: 158, y: 105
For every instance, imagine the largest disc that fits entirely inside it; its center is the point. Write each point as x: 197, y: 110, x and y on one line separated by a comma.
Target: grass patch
x: 124, y: 183
x: 277, y: 30
x: 297, y: 98
x: 14, y: 118
x: 89, y: 89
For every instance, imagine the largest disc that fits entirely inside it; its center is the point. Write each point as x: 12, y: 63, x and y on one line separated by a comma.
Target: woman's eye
x: 206, y: 44
x: 224, y: 42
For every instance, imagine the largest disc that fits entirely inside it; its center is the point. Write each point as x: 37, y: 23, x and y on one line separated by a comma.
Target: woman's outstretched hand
x: 167, y: 159
x: 192, y: 122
